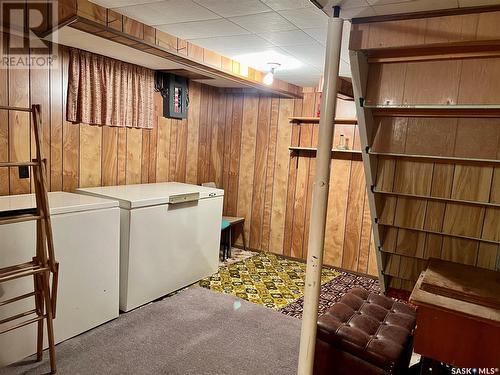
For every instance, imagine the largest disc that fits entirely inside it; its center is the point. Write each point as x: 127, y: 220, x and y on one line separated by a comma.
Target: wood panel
x: 237, y: 140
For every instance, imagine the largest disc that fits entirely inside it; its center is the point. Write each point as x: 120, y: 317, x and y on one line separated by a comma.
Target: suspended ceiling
x: 255, y: 32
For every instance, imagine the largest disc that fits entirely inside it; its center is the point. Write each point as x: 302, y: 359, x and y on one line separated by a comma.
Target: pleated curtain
x: 105, y: 91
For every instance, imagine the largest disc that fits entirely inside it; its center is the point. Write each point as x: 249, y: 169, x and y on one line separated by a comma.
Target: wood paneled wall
x: 238, y: 140
x: 437, y: 180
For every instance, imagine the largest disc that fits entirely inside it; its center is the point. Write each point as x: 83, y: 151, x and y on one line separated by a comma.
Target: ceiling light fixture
x: 269, y: 77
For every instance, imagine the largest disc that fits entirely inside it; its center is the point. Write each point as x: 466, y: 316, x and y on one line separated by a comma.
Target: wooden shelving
x: 441, y: 233
x: 435, y: 110
x: 313, y: 149
x: 441, y: 52
x: 454, y: 159
x: 315, y: 120
x: 438, y: 199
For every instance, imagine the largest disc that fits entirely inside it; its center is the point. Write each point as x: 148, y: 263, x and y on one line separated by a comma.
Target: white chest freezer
x: 86, y: 243
x: 170, y: 234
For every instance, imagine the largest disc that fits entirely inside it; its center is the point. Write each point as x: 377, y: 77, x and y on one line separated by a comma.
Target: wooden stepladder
x: 43, y: 266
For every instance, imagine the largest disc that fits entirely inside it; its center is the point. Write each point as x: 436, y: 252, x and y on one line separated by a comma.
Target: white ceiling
x: 255, y: 32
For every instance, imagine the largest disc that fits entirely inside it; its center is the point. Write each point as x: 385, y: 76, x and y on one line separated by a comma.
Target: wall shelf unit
x: 315, y: 120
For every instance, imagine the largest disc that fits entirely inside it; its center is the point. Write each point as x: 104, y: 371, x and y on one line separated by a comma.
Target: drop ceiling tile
x: 260, y: 59
x: 203, y: 29
x: 236, y: 53
x: 317, y: 33
x: 263, y: 22
x: 232, y: 8
x: 239, y: 42
x: 287, y: 4
x: 306, y: 17
x: 166, y: 12
x: 475, y: 3
x: 119, y: 3
x: 304, y: 71
x: 414, y: 6
x: 313, y: 54
x: 288, y: 38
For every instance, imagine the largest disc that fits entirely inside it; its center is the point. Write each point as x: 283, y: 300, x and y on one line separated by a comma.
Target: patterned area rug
x: 264, y: 279
x: 332, y: 291
x: 237, y: 255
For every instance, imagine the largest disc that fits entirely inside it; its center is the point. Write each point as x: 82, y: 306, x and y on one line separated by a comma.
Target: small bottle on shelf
x: 342, y: 143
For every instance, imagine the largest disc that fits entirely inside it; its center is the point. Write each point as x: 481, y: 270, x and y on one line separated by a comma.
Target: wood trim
x: 92, y: 18
x: 435, y: 52
x: 426, y: 14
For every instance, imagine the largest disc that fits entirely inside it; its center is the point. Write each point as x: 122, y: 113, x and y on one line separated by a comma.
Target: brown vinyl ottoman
x: 364, y: 333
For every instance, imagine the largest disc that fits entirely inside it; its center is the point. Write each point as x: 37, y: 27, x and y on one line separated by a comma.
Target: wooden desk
x: 456, y: 332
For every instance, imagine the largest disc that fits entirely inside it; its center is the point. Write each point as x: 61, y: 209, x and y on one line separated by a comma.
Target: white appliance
x: 86, y: 244
x: 170, y: 234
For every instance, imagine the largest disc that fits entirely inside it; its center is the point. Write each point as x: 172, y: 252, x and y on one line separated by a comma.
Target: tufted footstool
x: 364, y: 333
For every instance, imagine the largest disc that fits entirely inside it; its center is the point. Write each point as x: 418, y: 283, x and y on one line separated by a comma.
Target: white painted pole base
x: 320, y: 198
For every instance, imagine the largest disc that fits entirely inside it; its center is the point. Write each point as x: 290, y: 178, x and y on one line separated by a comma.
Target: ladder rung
x: 22, y: 324
x: 20, y: 270
x: 18, y: 298
x: 19, y: 219
x: 21, y: 109
x: 19, y: 164
x: 17, y: 316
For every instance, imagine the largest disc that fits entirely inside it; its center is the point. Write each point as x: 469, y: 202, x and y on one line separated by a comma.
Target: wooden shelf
x: 440, y: 52
x: 434, y: 157
x: 439, y: 199
x: 313, y: 149
x: 435, y: 110
x: 315, y: 120
x: 442, y: 233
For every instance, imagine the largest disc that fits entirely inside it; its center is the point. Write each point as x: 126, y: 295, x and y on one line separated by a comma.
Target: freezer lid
x: 143, y: 195
x: 59, y: 202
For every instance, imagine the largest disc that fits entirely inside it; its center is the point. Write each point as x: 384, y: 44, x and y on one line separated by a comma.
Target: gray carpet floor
x: 195, y: 332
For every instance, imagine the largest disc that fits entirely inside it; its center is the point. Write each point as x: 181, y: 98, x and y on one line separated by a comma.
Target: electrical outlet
x: 24, y: 172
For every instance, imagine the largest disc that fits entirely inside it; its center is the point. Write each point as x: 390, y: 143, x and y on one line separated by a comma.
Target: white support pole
x: 320, y: 196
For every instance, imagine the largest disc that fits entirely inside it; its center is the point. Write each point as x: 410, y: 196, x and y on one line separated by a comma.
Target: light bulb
x: 269, y: 78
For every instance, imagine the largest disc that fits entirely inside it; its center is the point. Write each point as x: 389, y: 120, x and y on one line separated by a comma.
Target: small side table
x: 233, y: 221
x: 454, y: 330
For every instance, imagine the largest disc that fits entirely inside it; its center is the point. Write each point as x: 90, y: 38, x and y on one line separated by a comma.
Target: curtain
x: 104, y: 91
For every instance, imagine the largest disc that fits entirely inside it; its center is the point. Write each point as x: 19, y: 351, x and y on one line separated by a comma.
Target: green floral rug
x: 265, y: 279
